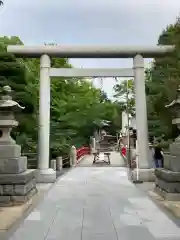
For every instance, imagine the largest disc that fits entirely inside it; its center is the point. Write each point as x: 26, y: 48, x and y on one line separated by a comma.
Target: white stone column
x: 59, y: 163
x: 93, y: 145
x: 141, y: 111
x: 44, y: 173
x: 73, y: 156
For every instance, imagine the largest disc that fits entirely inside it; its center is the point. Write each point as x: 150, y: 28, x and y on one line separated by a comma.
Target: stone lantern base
x: 168, y: 178
x: 168, y: 184
x: 17, y: 188
x: 17, y: 184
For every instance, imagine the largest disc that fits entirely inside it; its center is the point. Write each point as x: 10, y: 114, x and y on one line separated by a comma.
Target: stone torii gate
x: 45, y: 174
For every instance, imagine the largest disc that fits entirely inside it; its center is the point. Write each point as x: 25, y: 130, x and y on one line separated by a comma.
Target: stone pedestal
x: 17, y: 184
x: 45, y: 175
x: 168, y: 184
x: 145, y: 169
x: 168, y: 178
x: 17, y: 188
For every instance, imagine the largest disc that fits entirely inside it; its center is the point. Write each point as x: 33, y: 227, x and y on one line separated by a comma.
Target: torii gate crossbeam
x: 45, y: 52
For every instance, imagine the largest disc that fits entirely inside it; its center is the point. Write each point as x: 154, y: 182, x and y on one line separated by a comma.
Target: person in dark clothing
x: 158, y: 156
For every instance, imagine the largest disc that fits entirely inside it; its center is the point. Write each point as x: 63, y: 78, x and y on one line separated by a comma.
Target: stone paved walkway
x: 93, y: 204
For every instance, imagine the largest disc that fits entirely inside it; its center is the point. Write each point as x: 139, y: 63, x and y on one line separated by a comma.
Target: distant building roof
x: 102, y: 123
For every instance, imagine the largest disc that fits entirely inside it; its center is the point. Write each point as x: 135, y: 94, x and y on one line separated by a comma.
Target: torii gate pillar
x: 141, y: 111
x: 44, y: 173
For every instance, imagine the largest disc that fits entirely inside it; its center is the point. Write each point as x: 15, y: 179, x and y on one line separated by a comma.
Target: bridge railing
x: 65, y: 161
x: 81, y: 152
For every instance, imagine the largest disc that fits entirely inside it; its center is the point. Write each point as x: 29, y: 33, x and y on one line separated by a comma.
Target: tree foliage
x: 163, y: 80
x: 124, y: 93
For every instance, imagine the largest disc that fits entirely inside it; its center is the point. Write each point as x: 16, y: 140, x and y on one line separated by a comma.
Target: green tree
x: 163, y: 80
x: 13, y: 73
x: 124, y: 93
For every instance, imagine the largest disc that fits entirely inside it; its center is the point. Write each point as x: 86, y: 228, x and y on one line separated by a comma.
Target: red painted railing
x: 82, y: 152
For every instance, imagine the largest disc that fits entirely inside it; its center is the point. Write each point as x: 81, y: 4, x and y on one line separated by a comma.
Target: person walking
x: 123, y: 151
x: 158, y: 156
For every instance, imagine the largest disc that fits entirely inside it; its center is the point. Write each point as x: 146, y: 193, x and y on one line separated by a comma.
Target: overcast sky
x: 75, y: 22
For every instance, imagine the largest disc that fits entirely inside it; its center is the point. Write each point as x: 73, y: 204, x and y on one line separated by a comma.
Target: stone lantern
x: 17, y: 183
x: 168, y: 178
x: 175, y: 107
x: 7, y: 120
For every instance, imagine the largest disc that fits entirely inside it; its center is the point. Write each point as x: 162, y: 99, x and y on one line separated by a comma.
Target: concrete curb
x: 171, y: 206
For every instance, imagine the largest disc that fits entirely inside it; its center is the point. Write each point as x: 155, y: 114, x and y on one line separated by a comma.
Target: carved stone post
x: 59, y: 163
x: 73, y: 156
